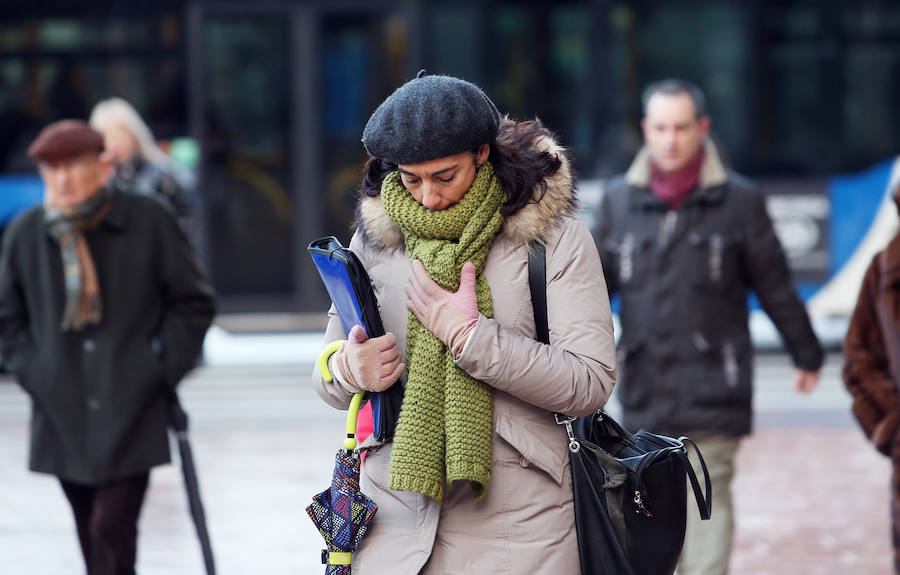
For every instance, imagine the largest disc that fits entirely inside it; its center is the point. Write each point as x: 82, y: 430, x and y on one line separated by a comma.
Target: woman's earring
x: 478, y: 166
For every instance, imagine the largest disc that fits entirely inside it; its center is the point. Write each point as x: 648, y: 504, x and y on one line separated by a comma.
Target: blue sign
x: 18, y: 193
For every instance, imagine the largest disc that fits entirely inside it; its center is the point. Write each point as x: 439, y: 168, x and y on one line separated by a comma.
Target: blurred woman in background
x: 142, y: 167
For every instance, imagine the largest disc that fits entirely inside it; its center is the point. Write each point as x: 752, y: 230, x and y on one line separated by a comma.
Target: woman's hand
x: 451, y: 317
x: 369, y: 364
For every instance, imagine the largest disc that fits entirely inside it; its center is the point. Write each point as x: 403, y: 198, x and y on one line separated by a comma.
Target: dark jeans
x: 106, y: 517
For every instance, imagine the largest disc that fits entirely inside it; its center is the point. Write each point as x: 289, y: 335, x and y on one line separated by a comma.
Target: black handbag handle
x: 537, y: 283
x: 704, y: 504
x: 705, y: 510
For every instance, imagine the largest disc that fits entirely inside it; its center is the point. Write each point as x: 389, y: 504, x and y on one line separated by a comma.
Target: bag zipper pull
x: 639, y: 502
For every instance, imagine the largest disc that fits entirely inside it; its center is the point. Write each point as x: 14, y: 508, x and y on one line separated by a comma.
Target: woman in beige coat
x: 477, y: 477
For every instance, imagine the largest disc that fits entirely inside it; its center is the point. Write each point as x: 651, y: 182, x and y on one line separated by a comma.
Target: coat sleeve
x: 188, y: 302
x: 576, y: 373
x: 609, y: 254
x: 866, y: 369
x: 771, y: 280
x: 17, y: 346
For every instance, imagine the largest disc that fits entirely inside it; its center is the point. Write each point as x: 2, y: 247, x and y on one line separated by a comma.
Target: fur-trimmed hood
x: 533, y: 222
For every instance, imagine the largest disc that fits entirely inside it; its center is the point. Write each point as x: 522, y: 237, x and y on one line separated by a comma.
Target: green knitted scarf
x: 446, y: 424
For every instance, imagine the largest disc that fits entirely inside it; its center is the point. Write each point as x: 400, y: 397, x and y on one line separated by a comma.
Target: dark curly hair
x: 520, y: 168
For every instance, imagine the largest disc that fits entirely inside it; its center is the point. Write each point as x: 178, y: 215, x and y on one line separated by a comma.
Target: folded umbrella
x: 178, y: 420
x: 342, y: 513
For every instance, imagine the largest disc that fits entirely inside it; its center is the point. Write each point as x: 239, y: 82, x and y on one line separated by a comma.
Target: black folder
x: 351, y: 292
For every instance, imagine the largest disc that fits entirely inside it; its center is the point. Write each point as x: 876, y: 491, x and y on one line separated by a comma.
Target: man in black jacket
x: 103, y: 309
x: 683, y: 240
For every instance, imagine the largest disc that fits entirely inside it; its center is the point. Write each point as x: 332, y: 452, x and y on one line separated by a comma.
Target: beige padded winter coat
x: 526, y: 523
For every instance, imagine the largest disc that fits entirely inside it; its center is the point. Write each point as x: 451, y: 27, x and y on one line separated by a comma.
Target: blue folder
x: 351, y: 292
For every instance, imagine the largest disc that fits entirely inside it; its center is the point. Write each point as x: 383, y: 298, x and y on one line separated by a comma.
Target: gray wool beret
x: 431, y: 117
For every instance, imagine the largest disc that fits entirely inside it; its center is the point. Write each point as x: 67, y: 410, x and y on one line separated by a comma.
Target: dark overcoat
x: 99, y: 395
x: 872, y: 364
x: 685, y: 355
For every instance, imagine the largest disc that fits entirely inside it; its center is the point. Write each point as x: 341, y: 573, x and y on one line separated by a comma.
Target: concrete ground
x: 812, y: 495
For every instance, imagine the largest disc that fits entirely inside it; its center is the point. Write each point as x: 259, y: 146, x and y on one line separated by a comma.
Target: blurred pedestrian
x: 103, y: 309
x: 141, y: 167
x: 683, y: 240
x: 477, y: 475
x: 872, y: 363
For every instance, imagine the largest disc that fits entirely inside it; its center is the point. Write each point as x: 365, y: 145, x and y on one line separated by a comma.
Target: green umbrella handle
x: 353, y: 410
x: 326, y: 353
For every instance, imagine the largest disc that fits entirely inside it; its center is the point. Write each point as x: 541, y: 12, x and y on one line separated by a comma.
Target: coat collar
x: 713, y: 176
x: 116, y: 217
x: 534, y: 222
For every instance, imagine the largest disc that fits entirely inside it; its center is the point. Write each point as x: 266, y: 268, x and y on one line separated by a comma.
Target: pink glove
x: 370, y: 364
x: 451, y: 317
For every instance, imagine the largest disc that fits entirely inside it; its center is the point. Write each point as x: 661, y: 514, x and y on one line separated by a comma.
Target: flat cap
x: 431, y: 117
x: 63, y: 140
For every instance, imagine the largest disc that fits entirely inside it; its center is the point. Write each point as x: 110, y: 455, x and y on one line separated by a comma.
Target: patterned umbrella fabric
x: 342, y: 513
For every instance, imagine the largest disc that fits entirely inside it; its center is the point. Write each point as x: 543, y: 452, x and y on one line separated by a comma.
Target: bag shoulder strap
x: 537, y: 282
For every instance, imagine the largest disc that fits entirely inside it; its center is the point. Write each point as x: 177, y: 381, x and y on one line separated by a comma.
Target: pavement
x: 811, y: 494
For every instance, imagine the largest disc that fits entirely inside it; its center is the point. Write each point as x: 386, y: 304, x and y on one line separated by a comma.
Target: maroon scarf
x: 674, y: 187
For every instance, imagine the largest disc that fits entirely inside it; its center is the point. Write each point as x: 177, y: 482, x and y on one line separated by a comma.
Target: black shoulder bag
x: 630, y: 490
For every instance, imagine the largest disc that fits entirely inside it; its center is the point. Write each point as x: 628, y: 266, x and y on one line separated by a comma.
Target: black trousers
x: 106, y: 517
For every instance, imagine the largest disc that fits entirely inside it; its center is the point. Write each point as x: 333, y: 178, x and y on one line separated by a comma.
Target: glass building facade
x: 276, y: 93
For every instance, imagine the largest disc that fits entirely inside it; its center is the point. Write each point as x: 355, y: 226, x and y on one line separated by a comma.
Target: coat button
x: 89, y: 346
x: 93, y: 404
x: 523, y: 462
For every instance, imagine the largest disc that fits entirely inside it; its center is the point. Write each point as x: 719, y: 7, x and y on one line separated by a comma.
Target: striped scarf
x: 68, y: 225
x: 446, y: 425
